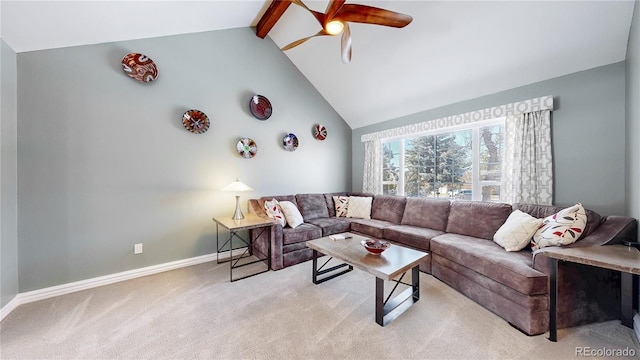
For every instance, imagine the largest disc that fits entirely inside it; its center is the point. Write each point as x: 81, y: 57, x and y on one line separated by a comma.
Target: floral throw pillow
x: 273, y: 211
x: 342, y: 204
x: 562, y: 228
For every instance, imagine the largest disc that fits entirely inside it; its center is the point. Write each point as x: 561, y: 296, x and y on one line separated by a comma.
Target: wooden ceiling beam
x: 271, y: 17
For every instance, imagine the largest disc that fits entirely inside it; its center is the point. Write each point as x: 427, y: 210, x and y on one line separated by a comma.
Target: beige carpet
x: 196, y: 313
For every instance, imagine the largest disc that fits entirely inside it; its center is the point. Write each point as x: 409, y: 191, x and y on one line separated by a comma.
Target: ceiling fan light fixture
x: 334, y: 27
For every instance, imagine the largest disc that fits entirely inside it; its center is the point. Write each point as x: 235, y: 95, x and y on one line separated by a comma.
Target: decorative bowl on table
x: 375, y: 247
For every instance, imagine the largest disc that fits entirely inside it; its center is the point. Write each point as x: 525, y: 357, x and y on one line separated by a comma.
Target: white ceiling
x: 452, y: 51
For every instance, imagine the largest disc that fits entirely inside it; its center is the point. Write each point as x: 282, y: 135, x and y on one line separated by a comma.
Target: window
x: 454, y: 163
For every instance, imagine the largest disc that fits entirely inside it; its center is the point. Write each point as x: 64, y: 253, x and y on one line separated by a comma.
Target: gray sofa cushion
x: 312, y: 206
x: 388, y: 208
x: 332, y: 225
x: 427, y: 213
x: 301, y: 233
x: 528, y: 313
x: 413, y: 236
x: 477, y: 219
x: 512, y: 269
x: 370, y: 227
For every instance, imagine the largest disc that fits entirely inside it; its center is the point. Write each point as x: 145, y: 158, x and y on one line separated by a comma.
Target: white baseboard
x: 7, y: 309
x: 58, y: 290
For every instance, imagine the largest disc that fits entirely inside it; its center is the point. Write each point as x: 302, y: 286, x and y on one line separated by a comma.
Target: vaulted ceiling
x: 452, y: 51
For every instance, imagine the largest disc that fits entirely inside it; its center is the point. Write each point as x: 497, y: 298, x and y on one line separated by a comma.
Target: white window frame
x: 476, y: 183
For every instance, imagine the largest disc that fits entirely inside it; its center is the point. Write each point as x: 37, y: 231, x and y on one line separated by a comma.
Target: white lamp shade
x: 237, y: 186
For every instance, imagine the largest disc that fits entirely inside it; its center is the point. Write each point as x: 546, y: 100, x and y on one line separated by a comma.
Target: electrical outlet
x: 137, y: 249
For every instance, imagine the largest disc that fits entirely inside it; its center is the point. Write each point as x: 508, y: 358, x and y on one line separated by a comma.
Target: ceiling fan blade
x: 333, y: 7
x: 318, y: 15
x: 372, y: 15
x: 346, y: 44
x: 300, y: 41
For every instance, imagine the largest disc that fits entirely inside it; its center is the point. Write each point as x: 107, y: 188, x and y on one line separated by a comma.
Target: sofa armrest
x: 260, y: 243
x: 256, y: 209
x: 613, y: 230
x: 260, y: 238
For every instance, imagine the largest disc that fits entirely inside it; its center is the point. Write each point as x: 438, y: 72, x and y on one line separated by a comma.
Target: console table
x: 625, y: 259
x: 249, y: 222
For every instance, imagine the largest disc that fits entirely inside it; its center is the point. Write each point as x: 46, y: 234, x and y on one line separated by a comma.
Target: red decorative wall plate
x: 260, y: 107
x: 195, y: 121
x: 139, y: 67
x: 319, y: 132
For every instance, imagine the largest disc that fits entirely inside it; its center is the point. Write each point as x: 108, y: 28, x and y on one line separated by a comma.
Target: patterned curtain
x: 372, y: 177
x: 527, y: 169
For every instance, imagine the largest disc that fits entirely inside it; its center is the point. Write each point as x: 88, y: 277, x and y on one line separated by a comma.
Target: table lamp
x: 237, y: 186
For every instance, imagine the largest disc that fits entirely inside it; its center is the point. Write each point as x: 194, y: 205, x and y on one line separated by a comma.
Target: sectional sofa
x: 459, y: 237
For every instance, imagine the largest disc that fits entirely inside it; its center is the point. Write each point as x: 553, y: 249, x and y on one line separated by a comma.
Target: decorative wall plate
x: 319, y: 132
x: 195, y: 121
x: 290, y: 142
x: 260, y: 107
x: 247, y: 148
x: 139, y: 67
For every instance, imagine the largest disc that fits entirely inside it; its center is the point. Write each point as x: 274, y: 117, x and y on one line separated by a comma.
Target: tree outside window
x: 436, y: 164
x: 463, y: 164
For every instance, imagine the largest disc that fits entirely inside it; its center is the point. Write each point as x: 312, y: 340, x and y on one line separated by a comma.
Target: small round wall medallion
x: 319, y: 132
x: 247, y: 148
x: 195, y: 121
x: 290, y: 142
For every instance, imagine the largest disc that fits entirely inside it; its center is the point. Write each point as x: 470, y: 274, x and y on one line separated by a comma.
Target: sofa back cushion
x: 476, y: 218
x: 388, y: 208
x: 312, y: 206
x: 542, y: 211
x: 426, y: 213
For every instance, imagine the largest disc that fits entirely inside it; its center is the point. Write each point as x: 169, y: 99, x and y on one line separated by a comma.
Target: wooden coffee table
x: 395, y: 261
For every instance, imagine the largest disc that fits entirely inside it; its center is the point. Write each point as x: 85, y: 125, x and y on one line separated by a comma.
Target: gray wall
x: 104, y: 161
x: 588, y: 131
x: 8, y: 176
x: 633, y: 116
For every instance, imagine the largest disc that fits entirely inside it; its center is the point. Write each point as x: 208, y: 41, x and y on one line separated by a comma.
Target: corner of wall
x: 8, y: 177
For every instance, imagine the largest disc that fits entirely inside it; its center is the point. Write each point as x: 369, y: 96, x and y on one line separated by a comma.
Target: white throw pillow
x: 291, y: 213
x: 563, y: 228
x: 341, y: 204
x: 516, y: 233
x: 359, y: 207
x: 273, y: 211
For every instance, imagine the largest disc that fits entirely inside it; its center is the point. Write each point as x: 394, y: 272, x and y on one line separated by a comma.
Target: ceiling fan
x: 335, y: 20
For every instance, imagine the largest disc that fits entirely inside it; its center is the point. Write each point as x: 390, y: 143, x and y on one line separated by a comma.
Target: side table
x: 625, y: 259
x: 234, y: 226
